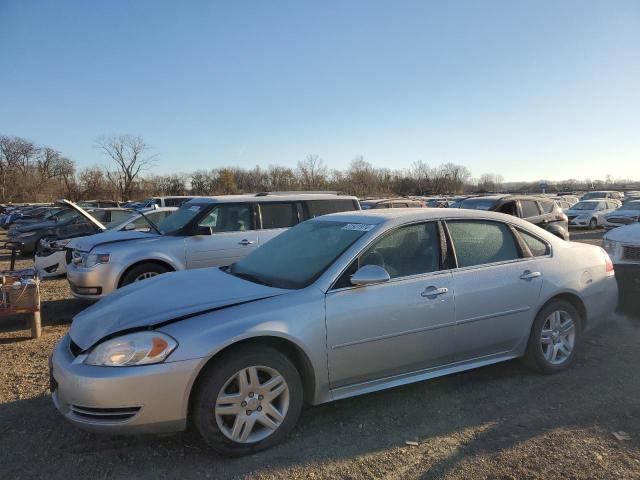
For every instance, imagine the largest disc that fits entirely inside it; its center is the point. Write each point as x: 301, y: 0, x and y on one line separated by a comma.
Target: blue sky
x: 528, y: 89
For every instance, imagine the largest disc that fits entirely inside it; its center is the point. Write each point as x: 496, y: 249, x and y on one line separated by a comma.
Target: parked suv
x: 391, y: 203
x: 204, y: 232
x: 541, y: 211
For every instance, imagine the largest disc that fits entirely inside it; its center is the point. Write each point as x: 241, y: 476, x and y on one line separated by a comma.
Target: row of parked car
x: 311, y: 298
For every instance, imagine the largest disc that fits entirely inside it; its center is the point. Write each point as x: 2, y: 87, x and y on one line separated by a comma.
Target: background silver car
x: 204, y: 232
x: 337, y: 306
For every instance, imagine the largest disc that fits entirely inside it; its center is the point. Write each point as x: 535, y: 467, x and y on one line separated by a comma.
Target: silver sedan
x: 338, y: 306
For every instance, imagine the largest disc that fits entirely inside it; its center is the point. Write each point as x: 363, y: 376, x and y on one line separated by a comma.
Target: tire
x: 217, y: 429
x: 539, y: 357
x: 141, y: 272
x: 593, y: 224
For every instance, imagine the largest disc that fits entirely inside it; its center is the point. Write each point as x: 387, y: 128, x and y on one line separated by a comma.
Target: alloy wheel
x: 252, y: 404
x: 558, y: 337
x: 145, y: 275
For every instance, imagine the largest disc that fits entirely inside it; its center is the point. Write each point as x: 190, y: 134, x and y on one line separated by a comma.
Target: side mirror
x: 370, y: 274
x: 129, y: 227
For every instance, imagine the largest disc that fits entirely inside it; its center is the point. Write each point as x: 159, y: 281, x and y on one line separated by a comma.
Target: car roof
x: 248, y: 198
x: 406, y: 215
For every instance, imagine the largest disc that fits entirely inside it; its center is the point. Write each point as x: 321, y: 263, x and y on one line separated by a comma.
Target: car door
x: 403, y: 325
x: 225, y: 235
x: 496, y: 283
x: 276, y: 217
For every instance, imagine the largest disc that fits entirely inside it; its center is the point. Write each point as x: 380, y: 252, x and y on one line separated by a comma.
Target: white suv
x: 204, y: 232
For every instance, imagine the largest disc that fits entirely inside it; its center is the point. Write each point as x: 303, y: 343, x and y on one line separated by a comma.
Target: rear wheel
x: 143, y: 272
x: 249, y: 401
x: 555, y: 337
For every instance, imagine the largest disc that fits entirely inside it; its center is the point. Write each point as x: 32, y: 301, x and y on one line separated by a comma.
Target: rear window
x: 478, y: 203
x: 278, y: 215
x: 318, y: 208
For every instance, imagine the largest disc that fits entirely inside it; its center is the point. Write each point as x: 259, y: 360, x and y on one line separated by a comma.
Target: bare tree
x: 312, y: 172
x: 131, y: 155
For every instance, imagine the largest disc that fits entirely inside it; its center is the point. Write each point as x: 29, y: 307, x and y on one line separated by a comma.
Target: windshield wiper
x: 249, y: 277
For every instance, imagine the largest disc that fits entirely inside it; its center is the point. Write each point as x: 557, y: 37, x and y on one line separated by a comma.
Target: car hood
x: 624, y: 213
x: 83, y: 212
x: 629, y: 233
x: 570, y: 211
x: 162, y: 299
x: 37, y: 226
x: 85, y: 244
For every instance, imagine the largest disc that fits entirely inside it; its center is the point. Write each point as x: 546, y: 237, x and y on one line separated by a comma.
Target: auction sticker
x: 358, y: 227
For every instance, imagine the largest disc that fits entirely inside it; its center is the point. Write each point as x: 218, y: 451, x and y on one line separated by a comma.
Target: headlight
x: 583, y: 217
x: 93, y: 259
x: 142, y: 348
x: 609, y: 246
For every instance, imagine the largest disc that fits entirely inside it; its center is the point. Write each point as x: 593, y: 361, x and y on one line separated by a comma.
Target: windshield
x: 585, y: 206
x: 478, y: 203
x: 297, y: 257
x: 178, y: 219
x: 590, y: 195
x: 65, y: 215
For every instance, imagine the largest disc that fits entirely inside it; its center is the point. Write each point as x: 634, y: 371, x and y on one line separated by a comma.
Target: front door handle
x: 246, y: 242
x: 529, y: 275
x: 432, y: 292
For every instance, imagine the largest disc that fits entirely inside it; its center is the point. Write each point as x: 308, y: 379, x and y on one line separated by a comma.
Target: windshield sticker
x: 358, y: 227
x: 195, y: 208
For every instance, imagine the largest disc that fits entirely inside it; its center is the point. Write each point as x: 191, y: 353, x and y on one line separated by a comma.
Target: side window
x: 478, y: 242
x: 324, y: 207
x: 537, y: 247
x: 227, y: 218
x: 100, y: 215
x: 601, y: 206
x: 546, y: 207
x: 529, y: 208
x: 158, y: 201
x: 612, y: 205
x: 410, y: 250
x: 508, y: 208
x: 278, y: 215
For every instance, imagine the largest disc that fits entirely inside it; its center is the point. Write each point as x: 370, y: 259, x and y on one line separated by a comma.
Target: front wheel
x: 555, y: 337
x: 143, y: 272
x: 593, y: 224
x: 248, y: 401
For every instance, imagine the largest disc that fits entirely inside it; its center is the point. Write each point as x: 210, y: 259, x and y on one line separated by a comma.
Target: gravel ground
x: 498, y: 422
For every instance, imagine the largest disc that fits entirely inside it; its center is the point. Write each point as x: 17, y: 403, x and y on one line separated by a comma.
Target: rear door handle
x: 434, y: 291
x: 246, y: 242
x: 529, y: 275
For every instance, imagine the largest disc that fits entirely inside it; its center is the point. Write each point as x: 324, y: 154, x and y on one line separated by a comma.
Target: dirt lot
x: 498, y: 422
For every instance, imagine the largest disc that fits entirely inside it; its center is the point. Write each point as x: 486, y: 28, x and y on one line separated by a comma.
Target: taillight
x: 608, y: 264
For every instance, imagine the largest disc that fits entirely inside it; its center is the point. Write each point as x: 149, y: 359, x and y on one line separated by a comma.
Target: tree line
x: 31, y: 172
